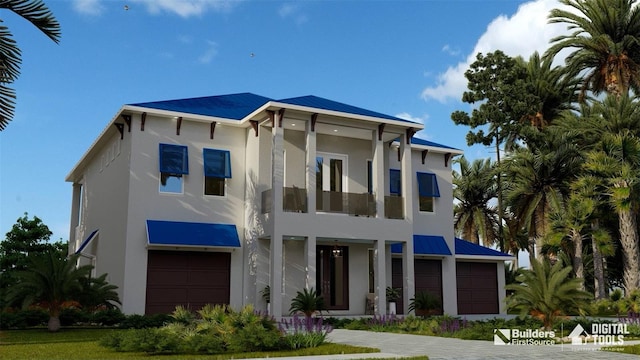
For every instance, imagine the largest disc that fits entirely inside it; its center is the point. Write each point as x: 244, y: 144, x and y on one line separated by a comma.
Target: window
x: 217, y: 168
x: 174, y: 163
x: 427, y: 191
x: 395, y: 182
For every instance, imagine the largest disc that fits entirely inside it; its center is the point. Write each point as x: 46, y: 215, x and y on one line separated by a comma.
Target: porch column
x: 277, y: 181
x: 75, y: 216
x: 377, y: 172
x: 311, y: 168
x: 502, y: 308
x: 407, y: 176
x: 310, y: 254
x: 380, y: 278
x: 408, y: 285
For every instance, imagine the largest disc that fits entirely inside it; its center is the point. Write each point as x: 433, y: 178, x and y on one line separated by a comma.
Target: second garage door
x: 190, y: 279
x: 428, y: 278
x: 477, y: 288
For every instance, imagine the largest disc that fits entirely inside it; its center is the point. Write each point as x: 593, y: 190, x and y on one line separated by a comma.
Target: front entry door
x: 333, y: 276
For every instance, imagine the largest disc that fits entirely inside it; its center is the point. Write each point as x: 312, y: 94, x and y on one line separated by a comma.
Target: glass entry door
x: 331, y: 181
x: 332, y: 276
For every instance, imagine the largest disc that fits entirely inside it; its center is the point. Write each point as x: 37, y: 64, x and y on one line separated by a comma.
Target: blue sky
x: 403, y: 58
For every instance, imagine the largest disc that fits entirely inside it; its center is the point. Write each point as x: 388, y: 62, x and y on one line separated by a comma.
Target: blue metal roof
x: 177, y: 233
x: 238, y: 106
x: 464, y: 247
x: 423, y: 142
x: 326, y: 104
x: 233, y: 106
x: 86, y: 241
x: 425, y: 245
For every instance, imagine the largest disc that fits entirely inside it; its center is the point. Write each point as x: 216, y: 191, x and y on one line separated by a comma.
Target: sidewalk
x: 438, y: 348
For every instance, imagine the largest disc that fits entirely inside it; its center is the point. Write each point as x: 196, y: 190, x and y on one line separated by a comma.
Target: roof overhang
x: 181, y: 234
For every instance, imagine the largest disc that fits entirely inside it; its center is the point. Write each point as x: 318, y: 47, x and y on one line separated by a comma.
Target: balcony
x: 294, y: 199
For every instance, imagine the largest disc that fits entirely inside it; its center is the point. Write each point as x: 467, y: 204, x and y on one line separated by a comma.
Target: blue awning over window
x: 174, y: 159
x: 395, y: 182
x: 464, y: 247
x: 428, y: 185
x: 217, y: 163
x: 425, y: 245
x: 86, y: 241
x: 178, y: 233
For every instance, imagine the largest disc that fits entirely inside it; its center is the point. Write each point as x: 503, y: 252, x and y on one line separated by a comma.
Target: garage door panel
x: 190, y: 279
x: 477, y: 288
x: 427, y: 277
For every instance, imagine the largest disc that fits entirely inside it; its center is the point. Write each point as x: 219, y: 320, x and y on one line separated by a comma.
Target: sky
x: 405, y: 58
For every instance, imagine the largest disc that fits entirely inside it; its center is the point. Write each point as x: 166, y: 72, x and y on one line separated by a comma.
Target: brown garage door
x: 477, y: 288
x: 428, y: 277
x: 187, y: 278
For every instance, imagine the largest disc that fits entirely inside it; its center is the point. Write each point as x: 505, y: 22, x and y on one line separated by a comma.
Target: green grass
x: 83, y: 344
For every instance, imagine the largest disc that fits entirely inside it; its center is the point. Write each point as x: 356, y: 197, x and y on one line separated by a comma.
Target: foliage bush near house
x: 219, y: 329
x: 308, y: 302
x: 424, y: 303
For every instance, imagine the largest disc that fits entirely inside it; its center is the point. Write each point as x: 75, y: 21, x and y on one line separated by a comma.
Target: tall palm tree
x: 552, y: 90
x: 474, y: 188
x: 539, y: 178
x: 52, y: 281
x: 37, y: 13
x: 604, y: 43
x: 547, y: 293
x: 616, y: 161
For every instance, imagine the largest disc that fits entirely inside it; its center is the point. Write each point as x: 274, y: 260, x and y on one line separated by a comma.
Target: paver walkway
x: 447, y: 348
x: 438, y: 348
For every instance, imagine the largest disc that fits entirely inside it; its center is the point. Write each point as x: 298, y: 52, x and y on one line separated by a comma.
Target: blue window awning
x: 178, y: 233
x: 217, y: 163
x: 395, y: 182
x: 174, y: 159
x: 86, y: 241
x: 428, y: 185
x: 464, y: 247
x: 426, y: 245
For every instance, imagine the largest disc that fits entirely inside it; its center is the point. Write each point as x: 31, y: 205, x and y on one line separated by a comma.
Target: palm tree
x: 52, y: 281
x: 474, y: 188
x: 547, y: 293
x: 97, y: 293
x: 307, y: 302
x: 37, y: 13
x: 604, y: 44
x: 616, y: 161
x: 539, y: 182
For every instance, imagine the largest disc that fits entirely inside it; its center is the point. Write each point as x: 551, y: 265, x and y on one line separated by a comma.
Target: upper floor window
x: 217, y: 168
x: 395, y: 182
x: 427, y: 191
x: 174, y: 163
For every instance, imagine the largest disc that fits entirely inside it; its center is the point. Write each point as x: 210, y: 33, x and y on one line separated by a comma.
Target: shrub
x: 109, y: 317
x: 307, y: 302
x: 144, y: 321
x: 73, y: 316
x: 304, y: 333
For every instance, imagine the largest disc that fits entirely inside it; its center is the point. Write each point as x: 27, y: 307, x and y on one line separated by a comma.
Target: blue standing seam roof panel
x: 464, y: 247
x: 425, y: 245
x: 86, y: 241
x: 178, y: 233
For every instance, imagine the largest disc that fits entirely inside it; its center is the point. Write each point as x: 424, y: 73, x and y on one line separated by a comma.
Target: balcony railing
x: 393, y: 207
x: 346, y: 203
x: 294, y: 199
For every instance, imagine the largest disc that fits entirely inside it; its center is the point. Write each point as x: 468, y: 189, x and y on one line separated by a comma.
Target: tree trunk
x: 54, y: 323
x: 598, y: 268
x: 578, y: 267
x: 629, y: 240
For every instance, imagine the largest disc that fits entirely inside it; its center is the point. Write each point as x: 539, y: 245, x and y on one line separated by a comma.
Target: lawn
x: 83, y: 344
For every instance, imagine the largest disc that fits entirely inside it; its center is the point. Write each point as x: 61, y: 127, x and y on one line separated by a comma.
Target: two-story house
x: 212, y: 199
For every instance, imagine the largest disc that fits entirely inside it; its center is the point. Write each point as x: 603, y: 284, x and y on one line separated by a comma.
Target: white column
x: 311, y: 169
x: 408, y: 285
x: 407, y: 178
x: 310, y: 253
x: 76, y: 201
x: 377, y: 173
x: 380, y: 278
x: 277, y: 181
x: 501, y: 291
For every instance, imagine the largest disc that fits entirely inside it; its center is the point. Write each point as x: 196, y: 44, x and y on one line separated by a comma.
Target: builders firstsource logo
x: 523, y: 337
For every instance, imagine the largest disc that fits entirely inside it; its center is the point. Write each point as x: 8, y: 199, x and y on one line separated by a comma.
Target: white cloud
x: 521, y: 34
x: 186, y: 8
x: 450, y: 50
x: 409, y: 117
x: 88, y: 7
x: 292, y: 11
x: 210, y: 53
